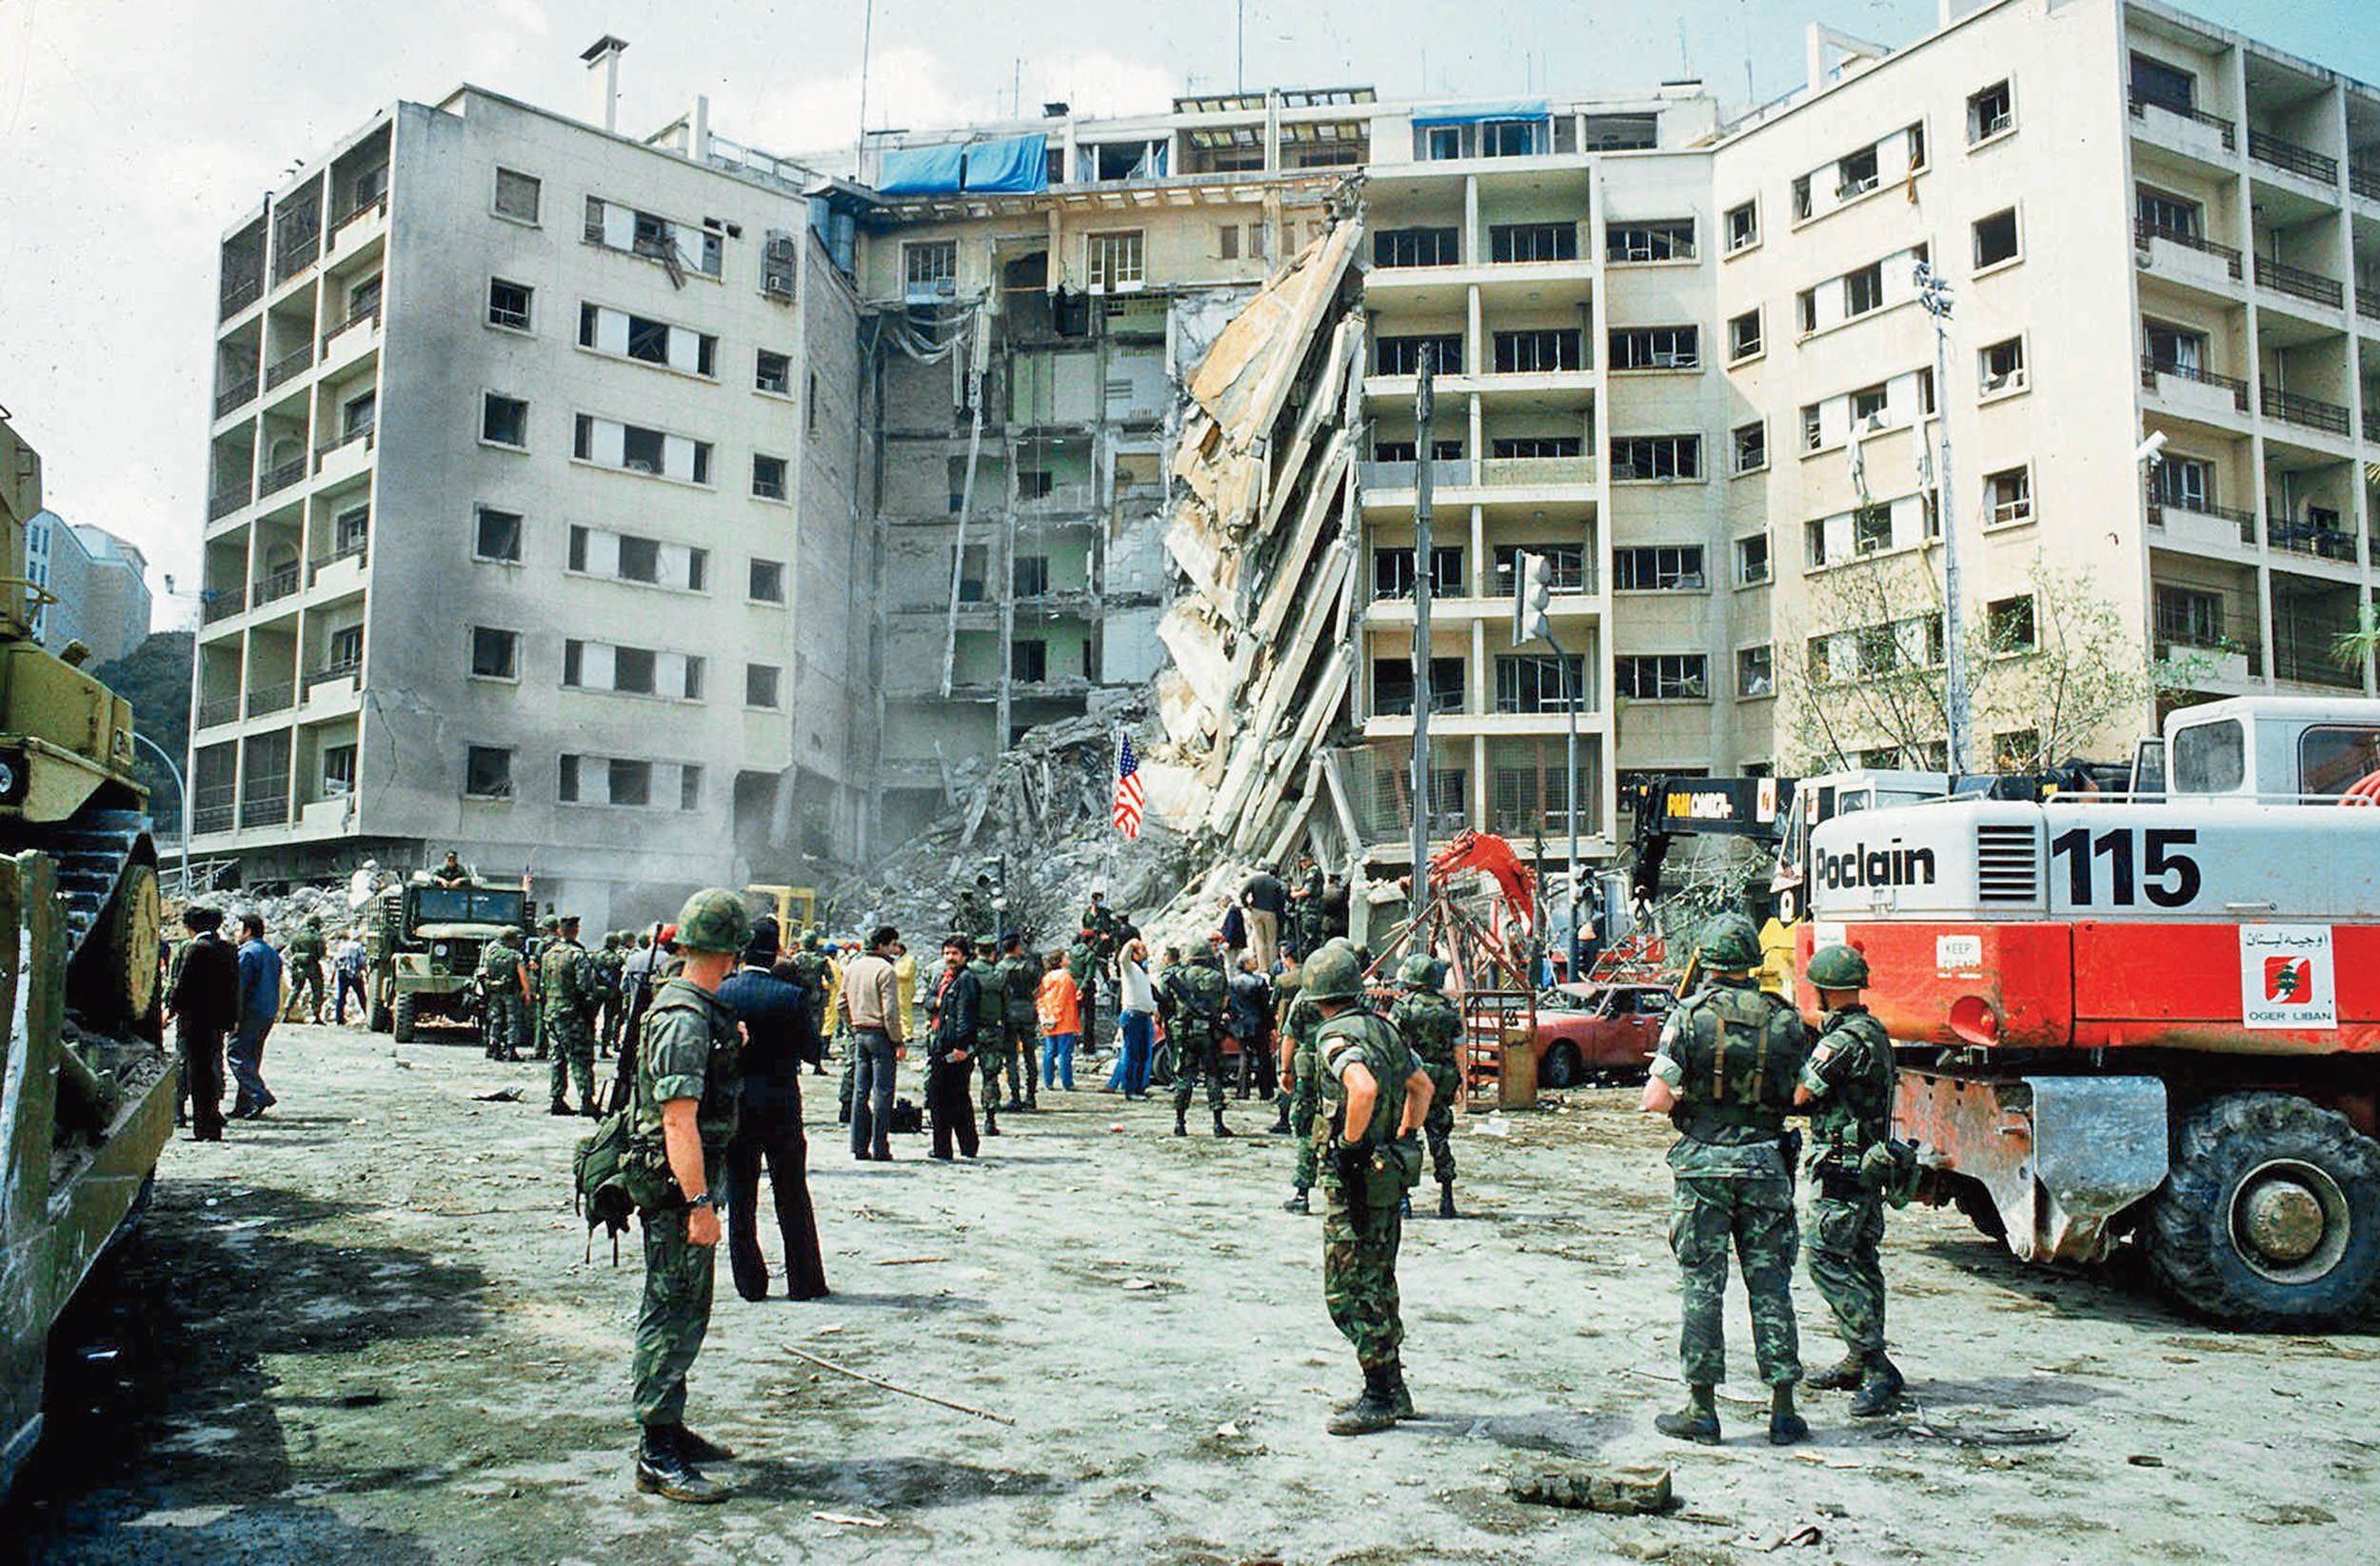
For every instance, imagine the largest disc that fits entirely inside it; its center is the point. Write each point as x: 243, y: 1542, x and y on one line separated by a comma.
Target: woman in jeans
x: 1138, y: 1016
x: 1059, y: 1005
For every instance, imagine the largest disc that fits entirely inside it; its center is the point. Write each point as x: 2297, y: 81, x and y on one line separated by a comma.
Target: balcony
x: 233, y: 396
x: 280, y: 584
x: 2243, y: 522
x: 2307, y: 411
x: 2300, y: 283
x: 266, y: 805
x: 280, y: 478
x: 264, y: 699
x: 1535, y: 472
x: 344, y: 668
x: 2146, y: 235
x: 2140, y: 106
x: 324, y: 452
x: 289, y: 365
x: 2364, y: 180
x: 221, y: 604
x: 2367, y: 304
x: 2303, y: 162
x: 2153, y: 368
x: 1446, y: 473
x: 224, y: 502
x: 213, y: 810
x: 348, y: 549
x: 2371, y: 422
x: 2308, y: 538
x: 221, y: 710
x: 240, y: 292
x: 369, y: 312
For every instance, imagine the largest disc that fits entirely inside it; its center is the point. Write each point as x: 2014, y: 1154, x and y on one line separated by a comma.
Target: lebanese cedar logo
x: 2288, y: 980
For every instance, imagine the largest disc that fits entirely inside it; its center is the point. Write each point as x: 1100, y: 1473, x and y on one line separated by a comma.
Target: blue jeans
x: 1057, y: 1060
x: 1139, y: 1031
x: 247, y: 1067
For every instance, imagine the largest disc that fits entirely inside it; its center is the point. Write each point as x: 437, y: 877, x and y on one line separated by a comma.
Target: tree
x: 155, y: 677
x: 2053, y: 672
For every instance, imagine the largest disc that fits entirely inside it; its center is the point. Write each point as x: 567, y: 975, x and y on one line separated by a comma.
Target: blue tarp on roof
x: 920, y: 170
x: 1509, y: 109
x: 1012, y: 165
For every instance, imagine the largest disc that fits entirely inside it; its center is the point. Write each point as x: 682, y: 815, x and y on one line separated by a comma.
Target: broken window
x: 1392, y: 686
x: 1995, y: 238
x: 1031, y: 573
x: 629, y: 783
x: 1417, y: 247
x: 517, y: 195
x: 1857, y: 175
x: 1990, y: 113
x: 2154, y: 82
x: 760, y: 685
x: 1755, y: 673
x: 1535, y: 446
x: 1801, y: 198
x: 1227, y: 242
x: 765, y: 582
x: 1442, y: 142
x: 504, y: 421
x: 1743, y: 226
x: 772, y: 373
x: 930, y: 268
x: 974, y: 565
x: 1806, y: 310
x: 1662, y: 677
x: 1539, y: 682
x: 1509, y: 139
x: 1566, y: 565
x: 1658, y: 568
x: 768, y: 477
x: 1656, y: 348
x: 2010, y: 491
x: 495, y: 655
x: 496, y: 535
x: 1520, y: 241
x: 1744, y: 335
x: 1813, y: 428
x: 1867, y: 406
x: 1646, y: 457
x: 641, y: 450
x: 689, y: 787
x: 1752, y: 447
x: 487, y: 772
x: 1403, y: 355
x: 632, y: 670
x: 1539, y: 352
x: 1035, y: 483
x: 2009, y: 623
x: 1028, y: 661
x: 1660, y: 239
x: 508, y: 304
x: 1619, y: 133
x: 2003, y: 366
x: 1872, y: 528
x: 1392, y: 572
x: 1751, y: 560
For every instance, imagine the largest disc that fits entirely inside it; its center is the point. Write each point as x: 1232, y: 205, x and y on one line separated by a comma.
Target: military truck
x: 423, y: 943
x: 87, y: 1102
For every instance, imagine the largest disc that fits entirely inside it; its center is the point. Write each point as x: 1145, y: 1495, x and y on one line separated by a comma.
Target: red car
x: 1605, y: 1030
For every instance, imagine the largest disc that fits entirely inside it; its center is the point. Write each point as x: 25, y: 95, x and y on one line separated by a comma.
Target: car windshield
x: 466, y: 906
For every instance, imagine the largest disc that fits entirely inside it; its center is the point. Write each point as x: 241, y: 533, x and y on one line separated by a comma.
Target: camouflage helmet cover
x: 1332, y: 974
x: 1418, y: 972
x: 713, y: 920
x: 1729, y: 942
x: 1837, y: 967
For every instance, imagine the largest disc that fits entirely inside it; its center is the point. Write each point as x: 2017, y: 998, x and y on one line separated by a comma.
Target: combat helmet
x: 1727, y: 943
x: 1418, y: 972
x: 1837, y: 967
x: 1332, y: 974
x: 713, y: 920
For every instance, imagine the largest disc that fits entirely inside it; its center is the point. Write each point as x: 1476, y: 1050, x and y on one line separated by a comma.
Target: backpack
x: 907, y: 1118
x: 600, y: 1180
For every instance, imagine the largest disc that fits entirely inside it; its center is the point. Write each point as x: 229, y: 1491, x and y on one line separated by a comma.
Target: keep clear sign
x: 2286, y: 978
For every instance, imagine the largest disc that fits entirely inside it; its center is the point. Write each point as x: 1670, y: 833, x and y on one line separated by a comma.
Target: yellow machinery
x: 66, y: 788
x: 795, y: 907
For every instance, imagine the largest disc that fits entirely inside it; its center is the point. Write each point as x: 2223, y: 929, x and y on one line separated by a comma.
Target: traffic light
x: 1533, y: 598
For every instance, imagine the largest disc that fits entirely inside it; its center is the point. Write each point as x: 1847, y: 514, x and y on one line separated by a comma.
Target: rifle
x: 641, y: 997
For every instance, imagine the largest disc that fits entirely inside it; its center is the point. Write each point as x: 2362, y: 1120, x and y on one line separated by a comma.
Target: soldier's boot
x: 1398, y: 1398
x: 1376, y: 1409
x: 557, y: 1107
x: 662, y: 1469
x: 1405, y: 1206
x: 991, y: 1125
x: 1785, y: 1426
x: 1879, y: 1389
x: 1281, y: 1124
x: 1220, y: 1129
x: 1181, y: 1120
x: 1446, y: 1198
x: 1298, y: 1204
x: 1698, y: 1422
x: 1842, y: 1375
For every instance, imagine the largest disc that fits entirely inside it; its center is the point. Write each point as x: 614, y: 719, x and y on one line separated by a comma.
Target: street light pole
x: 1934, y: 295
x: 182, y: 789
x: 1424, y: 401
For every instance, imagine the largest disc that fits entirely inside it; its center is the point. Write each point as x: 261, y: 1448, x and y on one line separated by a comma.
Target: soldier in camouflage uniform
x: 606, y: 967
x: 544, y: 938
x: 1019, y: 983
x: 1305, y: 905
x: 809, y: 971
x: 1299, y: 1024
x: 1191, y: 1000
x: 304, y: 956
x: 1432, y: 1028
x: 991, y: 1020
x: 504, y: 982
x: 1373, y: 1094
x: 562, y: 1007
x: 1285, y: 986
x: 1848, y: 1085
x: 681, y: 1114
x: 1724, y: 1075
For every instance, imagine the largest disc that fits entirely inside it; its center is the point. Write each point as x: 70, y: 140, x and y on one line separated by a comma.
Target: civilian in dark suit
x: 780, y: 1034
x: 950, y: 1045
x: 205, y: 1001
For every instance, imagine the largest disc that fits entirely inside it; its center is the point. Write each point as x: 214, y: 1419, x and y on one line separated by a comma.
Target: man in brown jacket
x: 870, y: 1002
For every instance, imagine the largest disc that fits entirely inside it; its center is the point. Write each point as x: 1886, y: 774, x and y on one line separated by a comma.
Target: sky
x: 133, y: 131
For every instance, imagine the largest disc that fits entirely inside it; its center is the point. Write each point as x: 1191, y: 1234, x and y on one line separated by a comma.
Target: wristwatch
x: 706, y: 1200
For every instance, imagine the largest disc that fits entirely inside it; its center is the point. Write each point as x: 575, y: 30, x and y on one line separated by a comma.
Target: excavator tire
x: 2270, y: 1216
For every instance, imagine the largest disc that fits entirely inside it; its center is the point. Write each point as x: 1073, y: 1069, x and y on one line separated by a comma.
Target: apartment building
x: 532, y: 516
x: 98, y: 584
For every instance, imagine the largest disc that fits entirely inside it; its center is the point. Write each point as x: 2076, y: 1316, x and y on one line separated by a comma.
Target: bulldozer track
x: 92, y: 853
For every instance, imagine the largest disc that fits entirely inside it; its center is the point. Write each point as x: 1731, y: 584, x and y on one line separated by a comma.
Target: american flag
x: 1130, y: 797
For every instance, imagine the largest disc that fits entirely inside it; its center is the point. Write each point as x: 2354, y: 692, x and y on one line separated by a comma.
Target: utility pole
x: 1533, y: 620
x: 1424, y: 405
x: 182, y: 788
x: 1933, y: 292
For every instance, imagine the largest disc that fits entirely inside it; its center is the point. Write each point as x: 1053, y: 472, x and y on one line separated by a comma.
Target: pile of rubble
x: 338, y: 905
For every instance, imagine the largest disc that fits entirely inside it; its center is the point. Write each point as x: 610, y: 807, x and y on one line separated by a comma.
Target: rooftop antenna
x: 1685, y: 65
x: 867, y: 37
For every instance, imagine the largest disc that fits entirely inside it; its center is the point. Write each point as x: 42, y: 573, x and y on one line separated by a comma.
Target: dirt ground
x: 362, y: 1329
